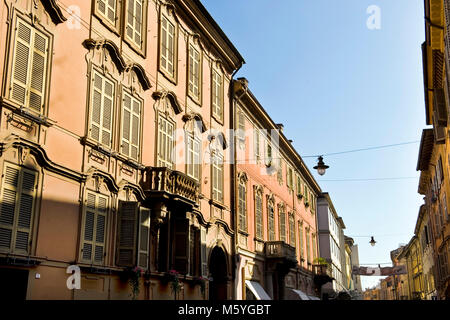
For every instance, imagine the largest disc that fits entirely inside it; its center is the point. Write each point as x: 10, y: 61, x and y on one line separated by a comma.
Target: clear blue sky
x: 337, y: 86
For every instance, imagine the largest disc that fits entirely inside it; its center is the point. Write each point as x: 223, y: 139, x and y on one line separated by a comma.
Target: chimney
x: 280, y: 126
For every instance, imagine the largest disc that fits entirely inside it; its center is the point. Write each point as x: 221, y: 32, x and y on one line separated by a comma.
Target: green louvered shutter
x: 181, y: 243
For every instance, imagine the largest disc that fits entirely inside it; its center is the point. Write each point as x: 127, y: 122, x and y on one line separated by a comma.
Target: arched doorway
x: 218, y: 270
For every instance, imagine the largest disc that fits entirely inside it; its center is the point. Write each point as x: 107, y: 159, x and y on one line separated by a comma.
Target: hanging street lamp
x: 372, y: 242
x: 321, y: 166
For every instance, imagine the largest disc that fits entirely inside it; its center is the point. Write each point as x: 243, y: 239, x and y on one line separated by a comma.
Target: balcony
x: 322, y: 270
x: 164, y: 183
x: 280, y: 250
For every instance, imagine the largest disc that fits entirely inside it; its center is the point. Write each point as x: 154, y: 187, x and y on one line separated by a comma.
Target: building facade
x: 138, y: 177
x: 275, y: 193
x: 332, y: 244
x: 434, y: 151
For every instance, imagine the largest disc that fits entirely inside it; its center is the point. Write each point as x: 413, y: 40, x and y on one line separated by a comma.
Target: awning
x: 313, y: 298
x: 257, y: 290
x: 301, y: 294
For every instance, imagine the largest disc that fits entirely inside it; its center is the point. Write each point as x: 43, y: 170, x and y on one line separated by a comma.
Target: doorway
x: 13, y: 284
x: 218, y: 269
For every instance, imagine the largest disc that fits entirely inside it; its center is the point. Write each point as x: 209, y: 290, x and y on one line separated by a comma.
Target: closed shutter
x: 29, y: 67
x: 102, y: 106
x: 16, y: 211
x: 271, y: 223
x: 204, y: 258
x: 181, y: 243
x: 259, y: 222
x: 127, y: 237
x: 134, y: 21
x: 108, y: 9
x: 300, y: 236
x: 256, y: 144
x: 167, y: 46
x: 144, y: 237
x: 242, y: 217
x: 94, y: 229
x: 282, y: 217
x: 131, y: 122
x: 440, y: 106
x: 194, y: 73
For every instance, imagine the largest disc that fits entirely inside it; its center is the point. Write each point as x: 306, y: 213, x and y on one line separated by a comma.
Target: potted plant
x: 201, y: 282
x: 173, y: 278
x: 133, y: 275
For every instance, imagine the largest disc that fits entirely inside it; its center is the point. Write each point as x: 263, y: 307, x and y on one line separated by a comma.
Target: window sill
x: 106, y: 23
x: 195, y: 100
x: 166, y: 75
x: 135, y: 48
x: 217, y: 204
x: 27, y: 113
x: 218, y: 120
x: 244, y: 233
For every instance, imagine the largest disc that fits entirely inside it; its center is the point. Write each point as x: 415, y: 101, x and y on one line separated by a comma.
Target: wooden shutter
x: 181, y: 243
x: 131, y: 123
x: 94, y: 229
x: 282, y: 220
x: 440, y: 106
x: 258, y: 213
x: 134, y: 21
x: 29, y: 67
x: 439, y: 131
x: 144, y: 237
x: 242, y: 204
x: 271, y: 224
x: 204, y: 259
x: 17, y: 207
x: 102, y: 109
x: 127, y: 234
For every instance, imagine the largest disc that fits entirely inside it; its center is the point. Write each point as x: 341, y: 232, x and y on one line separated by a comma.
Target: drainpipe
x: 235, y: 264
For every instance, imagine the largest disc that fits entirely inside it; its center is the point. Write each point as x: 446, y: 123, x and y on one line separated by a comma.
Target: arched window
x: 282, y: 222
x: 242, y: 205
x: 270, y: 218
x: 258, y: 213
x: 291, y: 229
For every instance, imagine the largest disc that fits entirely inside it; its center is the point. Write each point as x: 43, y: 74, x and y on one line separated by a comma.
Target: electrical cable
x: 369, y: 179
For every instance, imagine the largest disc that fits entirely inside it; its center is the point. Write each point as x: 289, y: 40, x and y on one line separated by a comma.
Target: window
x: 259, y: 215
x: 194, y: 74
x: 194, y: 251
x: 282, y: 223
x: 18, y: 195
x: 241, y: 126
x: 280, y: 171
x: 314, y: 247
x: 242, y: 205
x: 256, y: 144
x: 291, y: 229
x: 444, y: 205
x: 102, y: 109
x: 165, y: 142
x: 168, y: 43
x: 94, y: 229
x: 300, y: 235
x: 134, y: 22
x: 299, y: 185
x: 29, y: 70
x: 131, y: 126
x: 271, y: 221
x: 217, y: 93
x: 289, y: 178
x: 268, y: 153
x: 308, y: 245
x: 133, y: 236
x: 107, y: 8
x: 193, y: 157
x: 217, y: 177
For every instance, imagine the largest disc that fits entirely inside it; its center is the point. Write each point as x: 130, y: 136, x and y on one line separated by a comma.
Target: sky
x: 337, y: 85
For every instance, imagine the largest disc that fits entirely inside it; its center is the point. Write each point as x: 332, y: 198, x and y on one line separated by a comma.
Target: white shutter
x: 167, y: 46
x: 29, y: 67
x: 144, y: 237
x: 134, y: 21
x: 102, y: 109
x: 203, y: 253
x: 131, y: 122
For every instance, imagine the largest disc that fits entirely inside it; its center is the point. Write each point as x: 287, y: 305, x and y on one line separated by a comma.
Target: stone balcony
x: 280, y: 250
x: 164, y: 183
x: 321, y: 270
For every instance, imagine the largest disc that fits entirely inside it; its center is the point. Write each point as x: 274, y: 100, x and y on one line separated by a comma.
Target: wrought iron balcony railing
x: 162, y: 180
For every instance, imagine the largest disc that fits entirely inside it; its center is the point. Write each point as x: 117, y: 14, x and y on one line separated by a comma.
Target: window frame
x: 83, y: 228
x: 94, y: 70
x: 19, y: 191
x: 191, y: 136
x: 190, y: 94
x: 216, y: 184
x: 159, y: 160
x: 259, y: 194
x: 126, y: 91
x: 171, y: 77
x: 142, y: 49
x: 242, y: 211
x: 218, y: 117
x: 11, y: 63
x: 271, y: 236
x: 282, y: 227
x: 114, y: 27
x: 292, y: 234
